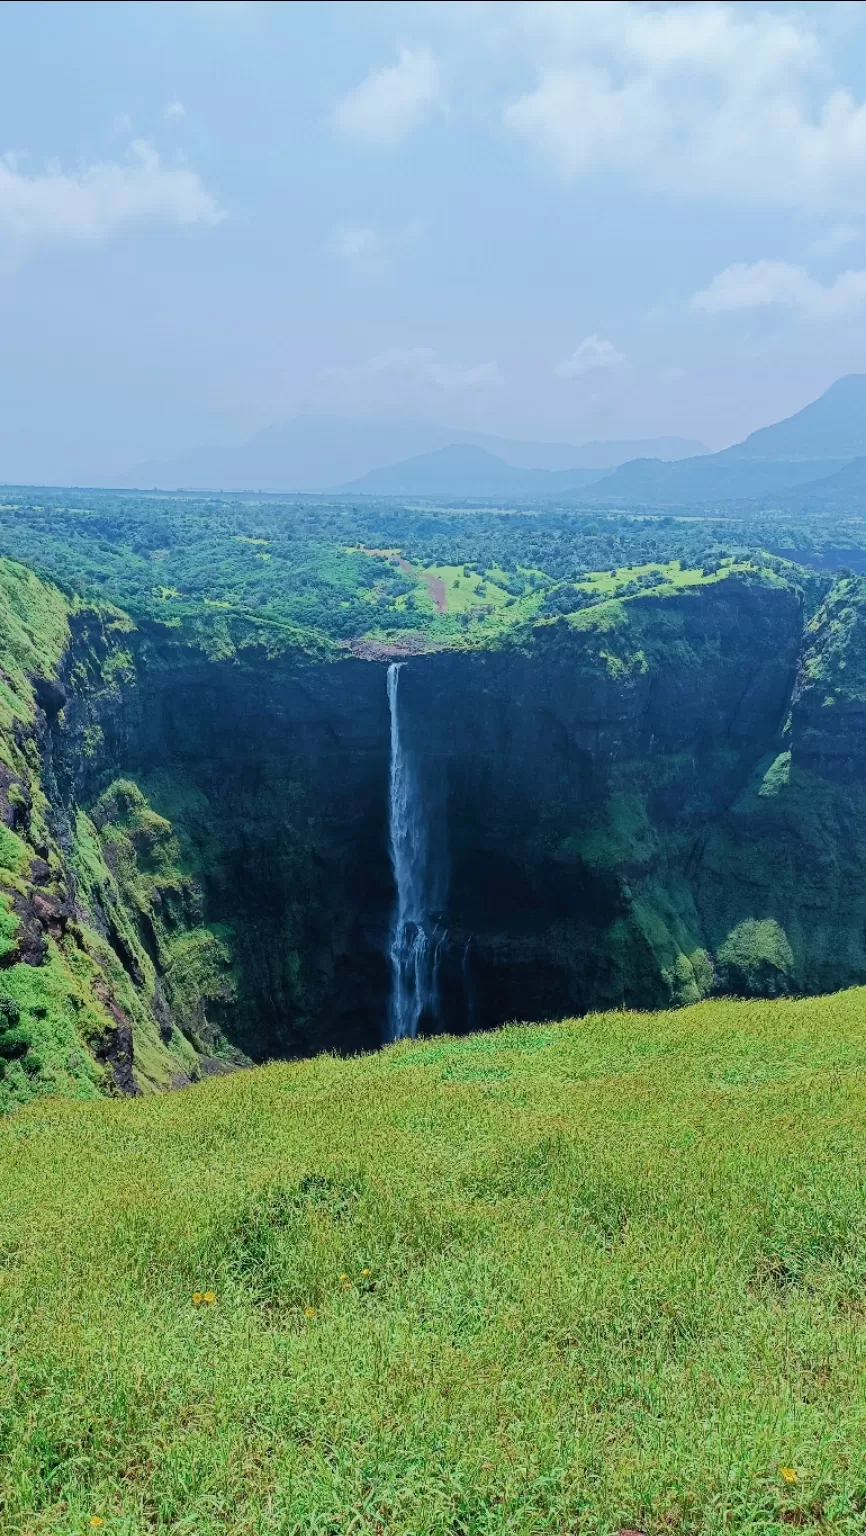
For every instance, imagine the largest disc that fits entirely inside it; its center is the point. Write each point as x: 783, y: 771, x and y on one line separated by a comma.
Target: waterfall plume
x: 417, y: 935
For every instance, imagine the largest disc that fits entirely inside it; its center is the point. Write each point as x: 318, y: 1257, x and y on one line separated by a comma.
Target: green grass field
x: 604, y: 1275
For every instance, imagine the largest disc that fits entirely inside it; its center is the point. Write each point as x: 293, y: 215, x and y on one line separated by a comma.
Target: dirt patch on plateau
x: 436, y: 588
x: 434, y: 584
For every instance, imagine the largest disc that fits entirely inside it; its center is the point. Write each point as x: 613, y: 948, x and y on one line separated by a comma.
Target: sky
x: 559, y: 221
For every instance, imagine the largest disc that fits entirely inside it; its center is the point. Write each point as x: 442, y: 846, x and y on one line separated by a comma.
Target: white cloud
x: 423, y: 366
x: 594, y: 355
x: 97, y: 200
x: 411, y: 373
x: 175, y: 109
x: 835, y: 239
x: 385, y: 106
x: 765, y: 283
x: 372, y: 251
x: 703, y: 99
x: 358, y: 243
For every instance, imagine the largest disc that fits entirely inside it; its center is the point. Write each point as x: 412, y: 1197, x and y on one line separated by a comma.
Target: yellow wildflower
x: 209, y: 1296
x: 344, y: 1280
x: 365, y: 1272
x: 96, y: 1521
x: 788, y: 1474
x: 196, y: 1298
x: 309, y: 1311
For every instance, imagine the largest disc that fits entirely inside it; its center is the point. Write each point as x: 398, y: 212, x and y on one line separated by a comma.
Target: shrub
x: 756, y: 959
x: 15, y: 1043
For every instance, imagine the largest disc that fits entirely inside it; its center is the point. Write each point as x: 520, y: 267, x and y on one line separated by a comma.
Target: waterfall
x: 416, y: 935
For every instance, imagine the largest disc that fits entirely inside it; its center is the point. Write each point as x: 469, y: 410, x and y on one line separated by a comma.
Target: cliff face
x: 579, y: 782
x: 81, y: 1009
x: 780, y: 883
x: 273, y: 777
x: 640, y: 805
x: 568, y: 790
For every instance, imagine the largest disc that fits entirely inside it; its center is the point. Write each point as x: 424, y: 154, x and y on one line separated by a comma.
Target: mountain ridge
x: 827, y: 435
x: 315, y: 453
x: 462, y: 469
x: 832, y: 426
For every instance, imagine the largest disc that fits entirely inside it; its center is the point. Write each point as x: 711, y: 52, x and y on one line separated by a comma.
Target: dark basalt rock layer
x: 662, y: 799
x: 602, y: 803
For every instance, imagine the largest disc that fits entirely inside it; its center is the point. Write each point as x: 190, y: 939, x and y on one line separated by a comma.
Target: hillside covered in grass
x: 601, y: 1275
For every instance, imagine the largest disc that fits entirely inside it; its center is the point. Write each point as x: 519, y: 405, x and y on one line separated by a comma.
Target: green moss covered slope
x: 101, y: 940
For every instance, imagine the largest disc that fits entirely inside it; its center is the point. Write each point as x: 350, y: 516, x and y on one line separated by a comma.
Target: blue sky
x: 549, y: 220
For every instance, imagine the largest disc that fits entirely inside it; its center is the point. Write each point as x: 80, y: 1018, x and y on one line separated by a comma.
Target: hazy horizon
x: 556, y: 222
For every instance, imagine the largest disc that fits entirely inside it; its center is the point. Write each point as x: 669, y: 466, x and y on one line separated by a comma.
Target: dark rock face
x: 30, y: 947
x: 828, y: 714
x: 585, y: 800
x: 50, y: 696
x: 779, y: 883
x: 40, y: 916
x: 285, y: 769
x: 14, y: 801
x: 115, y: 1050
x: 295, y: 769
x: 534, y: 750
x: 830, y: 740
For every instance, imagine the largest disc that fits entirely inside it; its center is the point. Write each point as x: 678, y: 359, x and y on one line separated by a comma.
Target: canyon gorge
x: 635, y: 812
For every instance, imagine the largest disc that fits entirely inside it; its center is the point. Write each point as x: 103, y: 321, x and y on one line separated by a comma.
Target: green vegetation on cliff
x: 106, y: 967
x: 835, y: 661
x: 586, y: 1277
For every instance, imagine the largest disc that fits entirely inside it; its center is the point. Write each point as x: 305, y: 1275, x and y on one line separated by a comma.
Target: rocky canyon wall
x: 657, y: 801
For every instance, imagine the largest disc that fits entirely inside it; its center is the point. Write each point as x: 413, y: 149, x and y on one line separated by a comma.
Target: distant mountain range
x: 833, y: 426
x: 465, y: 470
x: 319, y: 453
x: 648, y: 482
x: 817, y: 442
x: 843, y: 491
x: 817, y: 457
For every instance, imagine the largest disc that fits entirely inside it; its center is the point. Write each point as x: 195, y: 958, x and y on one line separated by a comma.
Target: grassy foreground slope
x: 607, y: 1274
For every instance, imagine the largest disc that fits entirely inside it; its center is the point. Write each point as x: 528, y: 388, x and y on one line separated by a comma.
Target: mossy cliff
x: 654, y: 799
x: 70, y: 1017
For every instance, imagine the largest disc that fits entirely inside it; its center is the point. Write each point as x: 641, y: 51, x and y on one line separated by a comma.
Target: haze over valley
x: 320, y: 453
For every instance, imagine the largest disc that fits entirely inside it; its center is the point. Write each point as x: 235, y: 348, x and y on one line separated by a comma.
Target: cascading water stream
x: 416, y: 936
